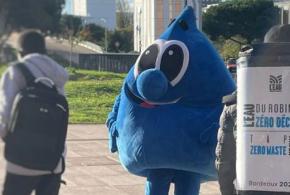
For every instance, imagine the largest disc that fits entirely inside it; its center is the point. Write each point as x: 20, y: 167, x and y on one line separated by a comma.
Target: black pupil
x: 148, y: 58
x: 172, y: 61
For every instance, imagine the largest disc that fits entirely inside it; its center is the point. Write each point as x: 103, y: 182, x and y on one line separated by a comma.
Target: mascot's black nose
x: 152, y: 84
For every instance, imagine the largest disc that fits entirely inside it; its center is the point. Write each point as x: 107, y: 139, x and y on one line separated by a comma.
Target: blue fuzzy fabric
x: 176, y: 127
x: 152, y: 84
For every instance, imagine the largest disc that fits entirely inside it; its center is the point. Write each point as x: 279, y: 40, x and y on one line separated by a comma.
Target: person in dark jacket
x: 226, y: 147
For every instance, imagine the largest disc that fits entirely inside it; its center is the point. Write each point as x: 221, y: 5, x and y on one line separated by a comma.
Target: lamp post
x: 139, y: 28
x: 106, y: 33
x: 198, y: 11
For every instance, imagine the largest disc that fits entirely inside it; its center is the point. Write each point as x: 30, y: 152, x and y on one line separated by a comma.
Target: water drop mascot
x: 164, y: 122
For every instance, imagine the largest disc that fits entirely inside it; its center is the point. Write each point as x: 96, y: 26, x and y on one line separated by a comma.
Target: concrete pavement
x: 92, y: 170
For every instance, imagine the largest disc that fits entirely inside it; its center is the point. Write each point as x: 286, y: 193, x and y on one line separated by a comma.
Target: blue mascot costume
x: 164, y: 122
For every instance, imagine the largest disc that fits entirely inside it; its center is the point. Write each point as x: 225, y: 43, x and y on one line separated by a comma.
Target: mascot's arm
x: 209, y: 134
x: 111, y: 124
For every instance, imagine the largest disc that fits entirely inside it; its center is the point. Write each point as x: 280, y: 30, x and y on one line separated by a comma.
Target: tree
x: 71, y: 25
x: 249, y: 18
x: 231, y: 47
x: 93, y: 33
x: 124, y: 14
x: 40, y: 14
x: 121, y: 40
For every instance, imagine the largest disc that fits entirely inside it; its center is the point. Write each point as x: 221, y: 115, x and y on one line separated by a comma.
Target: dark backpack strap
x: 30, y: 79
x: 63, y: 164
x: 26, y: 73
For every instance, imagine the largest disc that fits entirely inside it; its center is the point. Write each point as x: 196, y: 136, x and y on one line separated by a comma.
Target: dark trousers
x: 263, y: 193
x: 158, y: 182
x: 24, y: 185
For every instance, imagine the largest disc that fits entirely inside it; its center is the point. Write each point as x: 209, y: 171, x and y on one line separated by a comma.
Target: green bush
x: 229, y: 48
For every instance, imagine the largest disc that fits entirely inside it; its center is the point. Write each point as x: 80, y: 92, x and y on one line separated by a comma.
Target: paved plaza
x: 92, y: 170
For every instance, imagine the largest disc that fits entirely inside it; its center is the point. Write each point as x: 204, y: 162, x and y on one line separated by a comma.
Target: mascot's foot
x: 158, y: 182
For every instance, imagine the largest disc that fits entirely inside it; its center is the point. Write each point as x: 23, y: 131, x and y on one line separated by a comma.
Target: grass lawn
x: 2, y: 68
x: 90, y: 94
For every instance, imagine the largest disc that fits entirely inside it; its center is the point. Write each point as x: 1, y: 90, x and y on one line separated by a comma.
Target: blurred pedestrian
x: 226, y: 147
x: 20, y: 179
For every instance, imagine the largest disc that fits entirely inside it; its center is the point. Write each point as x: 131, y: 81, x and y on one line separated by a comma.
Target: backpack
x: 38, y: 127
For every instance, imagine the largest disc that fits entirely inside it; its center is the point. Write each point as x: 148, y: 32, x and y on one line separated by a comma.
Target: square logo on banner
x: 275, y: 83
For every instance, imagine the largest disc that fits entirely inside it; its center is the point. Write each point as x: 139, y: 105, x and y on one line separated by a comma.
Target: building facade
x: 284, y: 5
x: 68, y: 7
x: 151, y: 18
x: 101, y: 12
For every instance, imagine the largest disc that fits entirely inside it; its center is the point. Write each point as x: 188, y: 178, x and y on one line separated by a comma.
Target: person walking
x: 226, y: 147
x: 21, y: 180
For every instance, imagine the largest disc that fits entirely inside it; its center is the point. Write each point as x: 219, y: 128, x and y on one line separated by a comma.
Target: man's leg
x: 19, y: 185
x: 226, y: 159
x: 226, y: 176
x: 186, y: 183
x: 49, y: 185
x: 158, y: 182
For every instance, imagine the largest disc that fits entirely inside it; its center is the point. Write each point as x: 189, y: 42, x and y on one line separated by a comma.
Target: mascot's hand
x: 111, y: 124
x: 209, y: 135
x: 113, y: 134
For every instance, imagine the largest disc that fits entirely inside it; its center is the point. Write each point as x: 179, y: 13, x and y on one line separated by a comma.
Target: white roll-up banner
x: 263, y: 128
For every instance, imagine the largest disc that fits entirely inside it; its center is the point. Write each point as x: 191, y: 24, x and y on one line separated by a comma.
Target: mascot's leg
x: 158, y: 181
x: 186, y: 183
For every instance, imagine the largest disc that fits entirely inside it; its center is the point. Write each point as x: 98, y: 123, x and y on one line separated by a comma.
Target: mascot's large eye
x: 172, y: 61
x: 148, y: 58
